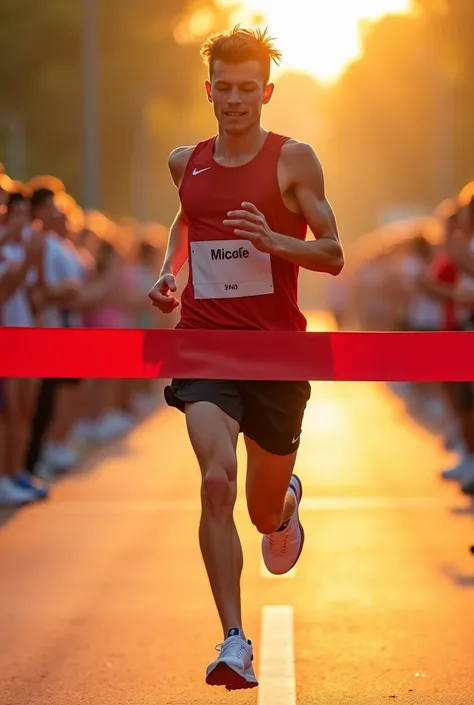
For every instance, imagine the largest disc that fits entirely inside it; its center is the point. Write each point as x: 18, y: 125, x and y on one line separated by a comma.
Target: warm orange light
x: 316, y: 38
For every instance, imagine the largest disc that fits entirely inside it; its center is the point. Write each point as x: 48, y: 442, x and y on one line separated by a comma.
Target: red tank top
x: 228, y: 278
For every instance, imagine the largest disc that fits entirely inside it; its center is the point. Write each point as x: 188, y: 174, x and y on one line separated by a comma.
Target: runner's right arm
x: 177, y: 249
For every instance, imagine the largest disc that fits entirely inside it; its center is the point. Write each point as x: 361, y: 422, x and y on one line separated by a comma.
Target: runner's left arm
x: 324, y: 254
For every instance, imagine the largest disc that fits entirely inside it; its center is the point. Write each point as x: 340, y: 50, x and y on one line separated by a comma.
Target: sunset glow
x: 316, y: 38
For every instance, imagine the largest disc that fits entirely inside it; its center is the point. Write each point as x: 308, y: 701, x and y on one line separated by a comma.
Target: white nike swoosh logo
x: 295, y: 440
x: 199, y: 171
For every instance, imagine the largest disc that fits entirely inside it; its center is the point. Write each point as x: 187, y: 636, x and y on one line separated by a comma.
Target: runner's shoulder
x: 294, y: 150
x: 178, y: 161
x: 181, y: 153
x: 300, y: 159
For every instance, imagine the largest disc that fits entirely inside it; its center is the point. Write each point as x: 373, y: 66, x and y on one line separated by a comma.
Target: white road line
x: 265, y: 573
x: 276, y: 666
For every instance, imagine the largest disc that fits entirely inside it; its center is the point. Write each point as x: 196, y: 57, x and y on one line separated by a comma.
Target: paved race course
x: 104, y: 599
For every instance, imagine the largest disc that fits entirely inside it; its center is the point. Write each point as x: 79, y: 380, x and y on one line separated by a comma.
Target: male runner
x: 247, y: 198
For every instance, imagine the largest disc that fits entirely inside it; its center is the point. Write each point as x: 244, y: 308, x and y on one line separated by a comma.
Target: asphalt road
x: 103, y: 597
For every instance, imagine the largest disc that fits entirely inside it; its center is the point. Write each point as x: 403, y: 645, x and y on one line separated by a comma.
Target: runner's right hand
x: 160, y: 294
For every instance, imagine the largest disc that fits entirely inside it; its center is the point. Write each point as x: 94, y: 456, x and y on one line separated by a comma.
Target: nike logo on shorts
x: 295, y: 440
x: 199, y: 171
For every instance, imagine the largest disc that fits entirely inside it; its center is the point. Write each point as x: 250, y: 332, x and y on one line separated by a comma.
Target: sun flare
x: 315, y: 38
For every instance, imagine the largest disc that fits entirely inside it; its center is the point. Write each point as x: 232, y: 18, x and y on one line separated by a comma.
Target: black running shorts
x: 269, y: 413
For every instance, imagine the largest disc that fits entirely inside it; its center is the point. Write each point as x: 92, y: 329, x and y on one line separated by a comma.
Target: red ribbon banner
x: 216, y: 354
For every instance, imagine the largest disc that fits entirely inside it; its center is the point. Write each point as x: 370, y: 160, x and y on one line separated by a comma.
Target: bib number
x: 230, y: 269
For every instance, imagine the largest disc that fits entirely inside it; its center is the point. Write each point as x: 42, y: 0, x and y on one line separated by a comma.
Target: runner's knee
x: 219, y: 486
x: 265, y: 523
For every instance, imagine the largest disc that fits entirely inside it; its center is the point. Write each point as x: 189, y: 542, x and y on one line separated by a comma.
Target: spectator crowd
x: 63, y: 267
x: 418, y: 275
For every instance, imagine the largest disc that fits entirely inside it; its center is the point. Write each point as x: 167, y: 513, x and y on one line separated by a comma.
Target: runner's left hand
x: 252, y: 225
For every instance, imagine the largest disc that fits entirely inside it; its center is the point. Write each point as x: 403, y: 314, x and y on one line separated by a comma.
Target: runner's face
x: 238, y: 92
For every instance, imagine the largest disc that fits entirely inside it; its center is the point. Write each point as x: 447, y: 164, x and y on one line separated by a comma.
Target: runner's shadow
x: 117, y: 448
x: 96, y: 457
x: 417, y: 411
x: 7, y: 514
x: 423, y: 419
x: 459, y: 579
x: 467, y: 510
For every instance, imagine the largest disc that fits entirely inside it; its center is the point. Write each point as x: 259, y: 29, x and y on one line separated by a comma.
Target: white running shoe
x: 13, y: 496
x: 282, y: 549
x: 233, y: 669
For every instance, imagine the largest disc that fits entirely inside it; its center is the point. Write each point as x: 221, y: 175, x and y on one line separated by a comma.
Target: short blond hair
x: 239, y: 45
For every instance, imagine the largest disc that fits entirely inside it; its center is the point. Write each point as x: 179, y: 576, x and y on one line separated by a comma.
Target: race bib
x: 228, y: 269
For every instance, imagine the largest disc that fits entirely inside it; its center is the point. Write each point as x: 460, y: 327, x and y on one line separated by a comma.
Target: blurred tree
x: 400, y: 114
x: 39, y: 75
x: 448, y: 24
x: 149, y: 94
x: 140, y: 62
x: 382, y: 131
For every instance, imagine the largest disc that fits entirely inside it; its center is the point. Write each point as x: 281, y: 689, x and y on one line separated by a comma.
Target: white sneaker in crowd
x: 114, y: 424
x: 61, y: 456
x: 12, y: 495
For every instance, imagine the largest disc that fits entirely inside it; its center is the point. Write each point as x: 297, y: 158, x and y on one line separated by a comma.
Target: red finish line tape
x: 216, y: 354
